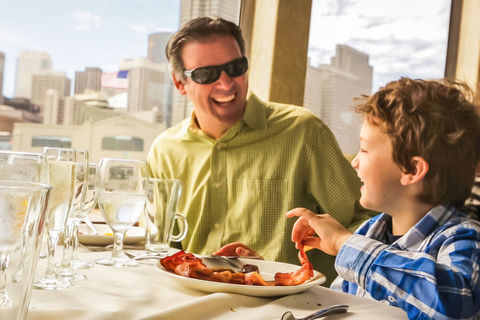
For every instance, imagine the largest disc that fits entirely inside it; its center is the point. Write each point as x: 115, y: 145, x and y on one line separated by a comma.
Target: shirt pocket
x: 257, y: 207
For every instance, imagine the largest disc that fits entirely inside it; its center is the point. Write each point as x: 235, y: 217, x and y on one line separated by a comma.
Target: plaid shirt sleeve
x: 430, y: 275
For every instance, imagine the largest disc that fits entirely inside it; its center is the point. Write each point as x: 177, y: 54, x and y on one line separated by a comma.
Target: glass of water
x: 61, y: 170
x: 81, y: 173
x: 121, y: 194
x: 88, y: 204
x: 19, y: 205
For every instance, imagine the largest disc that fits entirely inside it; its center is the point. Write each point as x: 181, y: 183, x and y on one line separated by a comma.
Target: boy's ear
x: 421, y: 169
x: 179, y: 84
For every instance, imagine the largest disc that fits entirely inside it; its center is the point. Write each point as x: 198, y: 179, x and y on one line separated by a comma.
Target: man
x: 243, y: 162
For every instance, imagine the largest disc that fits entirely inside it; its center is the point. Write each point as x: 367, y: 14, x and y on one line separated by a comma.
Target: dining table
x: 145, y: 293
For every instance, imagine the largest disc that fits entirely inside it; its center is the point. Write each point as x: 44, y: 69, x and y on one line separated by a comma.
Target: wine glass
x: 28, y: 167
x: 23, y: 166
x: 19, y: 202
x: 81, y: 168
x: 121, y: 194
x: 61, y: 165
x: 77, y: 217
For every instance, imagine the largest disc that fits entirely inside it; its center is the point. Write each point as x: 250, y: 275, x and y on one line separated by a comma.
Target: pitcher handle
x: 182, y: 226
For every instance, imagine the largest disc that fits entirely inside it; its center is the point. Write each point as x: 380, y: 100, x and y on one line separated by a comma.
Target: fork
x: 339, y: 308
x: 89, y: 223
x: 226, y: 259
x: 143, y: 255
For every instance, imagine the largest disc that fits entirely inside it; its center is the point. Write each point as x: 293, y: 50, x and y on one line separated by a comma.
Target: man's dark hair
x: 197, y: 29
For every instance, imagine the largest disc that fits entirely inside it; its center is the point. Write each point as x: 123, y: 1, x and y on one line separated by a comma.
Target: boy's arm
x: 421, y: 284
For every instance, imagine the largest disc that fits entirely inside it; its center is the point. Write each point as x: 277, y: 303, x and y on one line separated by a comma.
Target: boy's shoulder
x: 439, y: 224
x: 459, y: 222
x: 444, y: 226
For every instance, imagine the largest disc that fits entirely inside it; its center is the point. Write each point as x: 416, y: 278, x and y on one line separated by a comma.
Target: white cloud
x: 86, y: 20
x: 171, y: 30
x: 142, y: 28
x: 401, y: 38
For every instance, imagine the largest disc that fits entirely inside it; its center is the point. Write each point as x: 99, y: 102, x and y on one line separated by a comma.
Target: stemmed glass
x: 77, y: 217
x: 28, y: 167
x: 81, y: 173
x: 121, y: 195
x: 61, y: 163
x: 23, y: 166
x: 19, y: 202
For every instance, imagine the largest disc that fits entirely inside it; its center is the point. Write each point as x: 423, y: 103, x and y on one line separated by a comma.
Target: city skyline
x: 100, y: 35
x: 81, y: 34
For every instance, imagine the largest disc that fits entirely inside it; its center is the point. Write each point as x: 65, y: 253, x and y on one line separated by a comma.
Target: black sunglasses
x: 210, y: 74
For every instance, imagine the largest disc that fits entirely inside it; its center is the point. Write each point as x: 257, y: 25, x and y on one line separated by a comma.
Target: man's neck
x: 214, y: 130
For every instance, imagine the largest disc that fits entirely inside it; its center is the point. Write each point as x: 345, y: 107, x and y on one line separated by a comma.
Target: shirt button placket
x: 219, y: 192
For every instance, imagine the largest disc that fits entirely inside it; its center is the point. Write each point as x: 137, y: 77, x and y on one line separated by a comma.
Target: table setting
x: 110, y: 262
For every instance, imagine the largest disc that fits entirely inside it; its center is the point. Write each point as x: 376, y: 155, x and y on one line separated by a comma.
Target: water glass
x: 22, y: 212
x: 61, y: 170
x: 87, y: 207
x: 121, y: 193
x: 81, y: 167
x: 160, y: 216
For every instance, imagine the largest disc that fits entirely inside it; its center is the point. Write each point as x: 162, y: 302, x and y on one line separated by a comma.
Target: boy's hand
x: 331, y: 234
x: 237, y: 249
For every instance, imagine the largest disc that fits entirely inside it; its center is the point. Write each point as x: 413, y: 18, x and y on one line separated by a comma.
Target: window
x: 51, y: 141
x: 123, y: 143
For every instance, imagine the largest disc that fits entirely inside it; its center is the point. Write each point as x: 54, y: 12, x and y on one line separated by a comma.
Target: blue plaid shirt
x: 432, y: 272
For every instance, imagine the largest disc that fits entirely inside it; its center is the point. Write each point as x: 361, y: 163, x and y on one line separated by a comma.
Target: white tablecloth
x: 145, y: 293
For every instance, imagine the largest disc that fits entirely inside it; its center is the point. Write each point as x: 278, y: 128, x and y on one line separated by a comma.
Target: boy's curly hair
x: 433, y: 120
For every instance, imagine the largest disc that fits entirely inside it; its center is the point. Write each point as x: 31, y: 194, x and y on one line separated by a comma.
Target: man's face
x: 218, y: 105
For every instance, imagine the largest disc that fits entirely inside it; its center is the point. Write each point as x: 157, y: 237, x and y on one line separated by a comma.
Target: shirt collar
x: 254, y: 116
x: 187, y: 127
x: 436, y: 217
x: 255, y: 113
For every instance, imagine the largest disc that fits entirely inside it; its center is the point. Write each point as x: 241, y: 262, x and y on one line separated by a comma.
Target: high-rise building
x: 146, y: 84
x: 53, y: 107
x: 329, y: 90
x: 157, y: 42
x: 56, y: 80
x: 90, y: 79
x: 228, y: 10
x: 28, y: 64
x: 190, y: 9
x: 2, y: 70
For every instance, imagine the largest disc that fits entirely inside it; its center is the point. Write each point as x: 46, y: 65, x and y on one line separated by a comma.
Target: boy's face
x: 381, y: 190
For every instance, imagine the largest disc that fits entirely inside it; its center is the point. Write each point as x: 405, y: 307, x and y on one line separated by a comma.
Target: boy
x: 419, y: 146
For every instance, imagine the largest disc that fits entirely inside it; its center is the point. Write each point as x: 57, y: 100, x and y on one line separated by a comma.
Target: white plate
x: 267, y: 270
x: 105, y: 235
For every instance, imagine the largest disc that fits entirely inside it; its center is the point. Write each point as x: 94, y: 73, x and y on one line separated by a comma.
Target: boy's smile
x: 380, y: 175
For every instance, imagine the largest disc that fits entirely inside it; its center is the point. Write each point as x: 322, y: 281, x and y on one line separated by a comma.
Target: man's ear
x: 179, y: 84
x: 421, y: 169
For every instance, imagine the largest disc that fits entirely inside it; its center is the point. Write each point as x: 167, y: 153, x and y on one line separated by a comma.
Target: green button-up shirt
x: 239, y: 187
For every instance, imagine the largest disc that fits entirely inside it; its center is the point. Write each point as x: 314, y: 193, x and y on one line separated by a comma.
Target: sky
x: 401, y: 37
x: 81, y: 33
